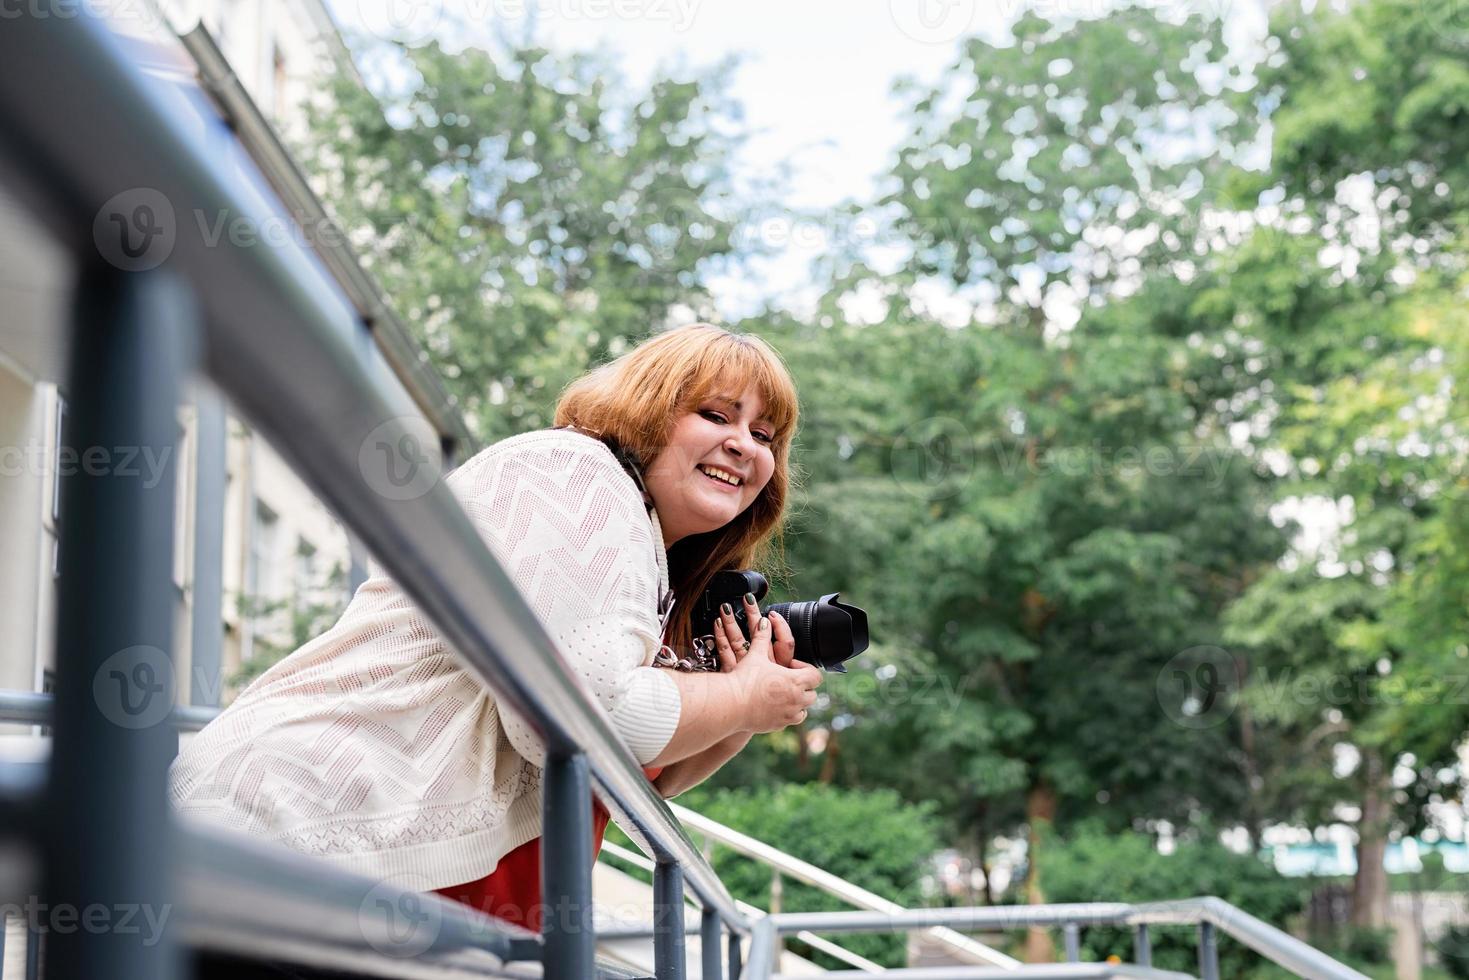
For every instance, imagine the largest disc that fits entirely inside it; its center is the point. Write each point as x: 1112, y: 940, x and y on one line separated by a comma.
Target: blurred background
x: 1129, y: 341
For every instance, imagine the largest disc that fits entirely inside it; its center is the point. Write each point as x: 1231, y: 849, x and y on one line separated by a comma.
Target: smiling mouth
x: 732, y: 487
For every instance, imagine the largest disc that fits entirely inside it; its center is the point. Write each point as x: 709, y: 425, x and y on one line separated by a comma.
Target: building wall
x: 280, y: 49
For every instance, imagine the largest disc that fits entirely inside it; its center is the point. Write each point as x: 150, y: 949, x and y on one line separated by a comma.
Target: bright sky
x: 815, y: 78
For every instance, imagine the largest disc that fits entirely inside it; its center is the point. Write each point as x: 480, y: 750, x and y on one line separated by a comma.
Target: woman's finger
x: 784, y: 646
x: 727, y: 658
x: 736, y: 638
x: 752, y: 614
x: 760, y: 637
x: 732, y: 631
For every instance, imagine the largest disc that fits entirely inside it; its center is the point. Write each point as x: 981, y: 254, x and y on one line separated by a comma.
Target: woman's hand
x: 775, y: 695
x: 730, y: 642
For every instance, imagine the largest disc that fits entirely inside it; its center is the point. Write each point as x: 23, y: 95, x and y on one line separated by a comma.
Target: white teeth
x: 719, y: 475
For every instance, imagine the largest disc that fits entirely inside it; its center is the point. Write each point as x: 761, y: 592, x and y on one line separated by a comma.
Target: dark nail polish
x: 726, y: 609
x: 750, y: 598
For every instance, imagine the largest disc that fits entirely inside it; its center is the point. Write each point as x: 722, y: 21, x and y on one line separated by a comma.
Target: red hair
x: 633, y: 403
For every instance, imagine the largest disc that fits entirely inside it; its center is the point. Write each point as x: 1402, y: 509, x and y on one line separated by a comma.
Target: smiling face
x: 717, y: 461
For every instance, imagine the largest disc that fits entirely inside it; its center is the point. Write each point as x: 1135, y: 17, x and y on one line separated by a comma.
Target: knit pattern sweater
x: 371, y: 747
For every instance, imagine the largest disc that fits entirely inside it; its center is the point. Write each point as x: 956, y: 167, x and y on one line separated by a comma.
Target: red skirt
x: 513, y: 890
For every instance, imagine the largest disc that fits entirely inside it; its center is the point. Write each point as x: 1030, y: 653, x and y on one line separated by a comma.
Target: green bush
x: 1370, y: 946
x: 1093, y: 865
x: 873, y: 839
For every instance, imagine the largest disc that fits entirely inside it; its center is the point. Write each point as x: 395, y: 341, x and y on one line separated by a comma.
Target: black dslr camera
x: 828, y: 633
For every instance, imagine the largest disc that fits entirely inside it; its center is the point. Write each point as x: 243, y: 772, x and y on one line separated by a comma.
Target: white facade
x: 279, y: 542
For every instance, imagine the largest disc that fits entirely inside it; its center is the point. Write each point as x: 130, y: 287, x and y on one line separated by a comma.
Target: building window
x: 305, y: 567
x: 262, y: 580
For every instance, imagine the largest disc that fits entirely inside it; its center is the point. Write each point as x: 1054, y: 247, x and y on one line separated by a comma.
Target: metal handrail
x: 1279, y: 947
x: 1207, y: 913
x: 642, y: 932
x: 970, y: 950
x: 280, y: 350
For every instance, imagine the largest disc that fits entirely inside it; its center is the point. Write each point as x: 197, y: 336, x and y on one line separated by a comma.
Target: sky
x: 815, y: 80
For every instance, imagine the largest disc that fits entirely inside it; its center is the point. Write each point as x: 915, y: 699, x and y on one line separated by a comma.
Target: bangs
x: 727, y: 369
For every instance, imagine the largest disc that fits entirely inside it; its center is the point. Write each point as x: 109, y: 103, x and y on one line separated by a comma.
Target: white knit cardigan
x: 371, y: 747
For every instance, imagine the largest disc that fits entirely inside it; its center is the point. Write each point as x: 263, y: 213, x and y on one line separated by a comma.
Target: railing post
x: 1142, y: 946
x: 736, y: 966
x: 668, y: 925
x: 33, y: 953
x: 1072, y: 932
x: 211, y: 442
x: 709, y: 945
x: 566, y: 868
x: 777, y: 889
x: 1208, y: 952
x: 108, y: 820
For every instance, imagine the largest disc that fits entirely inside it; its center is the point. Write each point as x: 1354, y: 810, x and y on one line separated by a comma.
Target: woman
x: 373, y: 748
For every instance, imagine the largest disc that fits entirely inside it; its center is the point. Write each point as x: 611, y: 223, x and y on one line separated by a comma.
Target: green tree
x: 996, y: 476
x: 527, y: 222
x: 1349, y: 295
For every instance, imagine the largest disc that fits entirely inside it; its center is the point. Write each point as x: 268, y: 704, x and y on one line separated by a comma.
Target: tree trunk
x: 1254, y: 823
x: 983, y: 854
x: 1040, y: 815
x: 1369, y: 887
x: 829, y: 760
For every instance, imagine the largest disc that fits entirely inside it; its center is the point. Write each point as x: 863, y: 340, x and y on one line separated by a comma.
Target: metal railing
x: 1211, y: 916
x: 960, y: 946
x: 258, y: 326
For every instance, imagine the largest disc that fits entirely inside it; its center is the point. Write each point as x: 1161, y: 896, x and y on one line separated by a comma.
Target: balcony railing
x: 86, y: 137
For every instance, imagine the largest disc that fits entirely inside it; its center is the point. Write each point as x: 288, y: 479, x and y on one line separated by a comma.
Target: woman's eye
x: 713, y: 415
x: 763, y: 437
